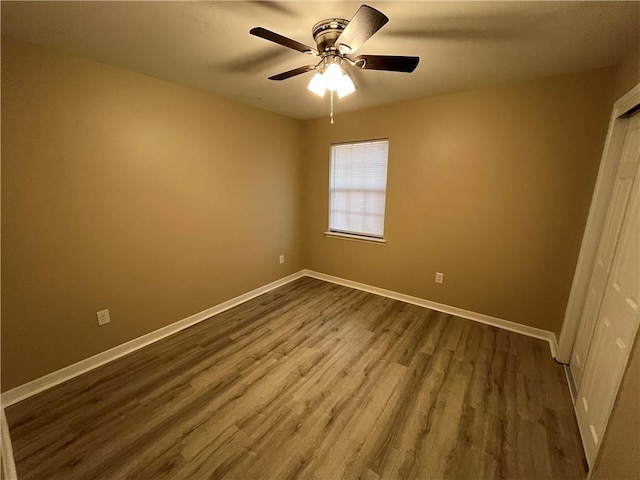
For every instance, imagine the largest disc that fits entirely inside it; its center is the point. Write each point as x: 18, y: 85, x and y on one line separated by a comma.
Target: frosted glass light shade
x: 334, y: 79
x: 346, y: 86
x: 332, y: 76
x: 317, y: 85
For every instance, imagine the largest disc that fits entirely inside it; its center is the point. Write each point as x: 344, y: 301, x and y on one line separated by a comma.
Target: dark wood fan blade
x: 392, y: 63
x: 361, y: 28
x: 293, y: 73
x: 280, y: 40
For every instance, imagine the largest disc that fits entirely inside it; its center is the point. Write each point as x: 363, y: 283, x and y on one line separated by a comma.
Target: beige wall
x: 124, y: 192
x: 619, y: 455
x: 156, y: 201
x: 627, y: 73
x: 491, y: 187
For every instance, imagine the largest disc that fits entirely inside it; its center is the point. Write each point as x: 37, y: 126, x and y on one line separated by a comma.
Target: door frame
x: 595, y: 221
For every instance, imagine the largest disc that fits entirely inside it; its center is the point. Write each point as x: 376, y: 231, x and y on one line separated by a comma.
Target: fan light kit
x: 334, y: 80
x: 336, y: 38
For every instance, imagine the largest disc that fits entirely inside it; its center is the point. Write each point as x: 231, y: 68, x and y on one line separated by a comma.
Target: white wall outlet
x: 439, y: 277
x: 281, y: 259
x: 103, y: 317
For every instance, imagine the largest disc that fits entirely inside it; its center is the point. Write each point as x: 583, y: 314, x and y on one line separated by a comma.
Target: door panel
x: 614, y: 219
x: 614, y: 332
x: 590, y: 311
x: 608, y: 243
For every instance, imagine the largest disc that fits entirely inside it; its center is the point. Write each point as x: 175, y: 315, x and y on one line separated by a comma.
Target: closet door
x: 627, y: 167
x: 615, y: 331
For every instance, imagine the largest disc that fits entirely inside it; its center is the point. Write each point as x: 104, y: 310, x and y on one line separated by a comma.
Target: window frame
x: 357, y: 236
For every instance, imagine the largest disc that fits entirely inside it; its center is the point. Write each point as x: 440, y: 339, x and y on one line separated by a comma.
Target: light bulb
x: 332, y: 76
x: 346, y: 86
x: 317, y: 84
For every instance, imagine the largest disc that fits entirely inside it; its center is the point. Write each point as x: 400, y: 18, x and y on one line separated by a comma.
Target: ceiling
x: 206, y: 45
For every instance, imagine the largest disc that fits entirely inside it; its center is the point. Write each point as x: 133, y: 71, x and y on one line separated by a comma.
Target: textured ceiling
x: 207, y: 45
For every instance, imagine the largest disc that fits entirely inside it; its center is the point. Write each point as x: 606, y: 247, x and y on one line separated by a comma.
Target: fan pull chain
x: 331, y: 113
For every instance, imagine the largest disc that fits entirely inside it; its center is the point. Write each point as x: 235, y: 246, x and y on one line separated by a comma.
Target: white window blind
x: 357, y: 188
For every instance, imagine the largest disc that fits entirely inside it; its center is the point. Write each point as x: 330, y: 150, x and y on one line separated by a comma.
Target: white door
x: 611, y: 232
x: 615, y: 330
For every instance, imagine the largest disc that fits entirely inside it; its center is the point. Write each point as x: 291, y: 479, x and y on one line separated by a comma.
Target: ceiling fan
x: 336, y: 39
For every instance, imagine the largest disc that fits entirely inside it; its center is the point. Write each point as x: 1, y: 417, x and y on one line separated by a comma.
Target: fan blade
x: 293, y: 73
x: 391, y: 63
x: 361, y: 28
x: 280, y: 40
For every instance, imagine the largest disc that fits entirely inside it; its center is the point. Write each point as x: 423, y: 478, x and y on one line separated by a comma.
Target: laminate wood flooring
x: 311, y: 381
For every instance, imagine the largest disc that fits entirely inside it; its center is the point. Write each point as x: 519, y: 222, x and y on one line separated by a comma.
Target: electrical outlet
x: 439, y: 277
x: 281, y: 259
x: 103, y: 317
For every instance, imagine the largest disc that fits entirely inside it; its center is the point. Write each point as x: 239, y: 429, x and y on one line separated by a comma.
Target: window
x: 357, y: 188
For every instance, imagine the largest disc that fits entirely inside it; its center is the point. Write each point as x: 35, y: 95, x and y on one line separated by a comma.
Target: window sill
x: 356, y: 238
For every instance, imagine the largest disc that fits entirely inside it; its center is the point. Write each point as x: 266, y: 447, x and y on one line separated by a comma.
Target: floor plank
x: 311, y: 381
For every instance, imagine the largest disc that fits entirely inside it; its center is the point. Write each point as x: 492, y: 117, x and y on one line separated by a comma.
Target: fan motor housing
x: 326, y: 32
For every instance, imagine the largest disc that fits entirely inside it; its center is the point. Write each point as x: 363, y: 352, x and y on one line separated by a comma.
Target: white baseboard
x: 29, y: 389
x: 440, y: 307
x: 553, y: 344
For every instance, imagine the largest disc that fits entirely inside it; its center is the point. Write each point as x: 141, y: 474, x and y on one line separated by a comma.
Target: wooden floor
x: 311, y: 380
